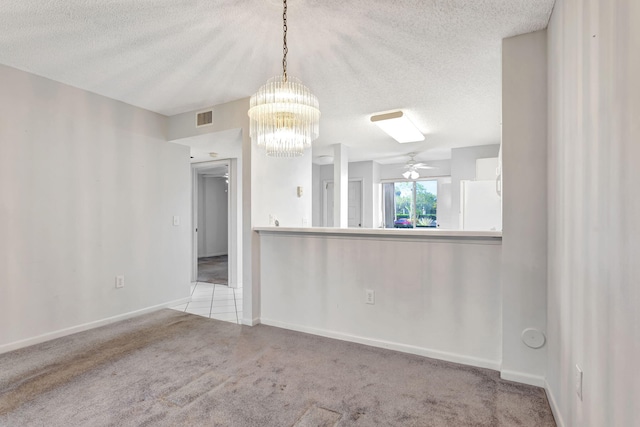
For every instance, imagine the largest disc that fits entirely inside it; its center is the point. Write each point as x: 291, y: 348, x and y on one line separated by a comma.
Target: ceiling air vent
x: 204, y: 118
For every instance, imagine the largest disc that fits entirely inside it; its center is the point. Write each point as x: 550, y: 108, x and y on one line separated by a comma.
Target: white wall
x: 524, y: 200
x: 594, y: 210
x: 364, y: 171
x: 426, y: 301
x: 316, y: 196
x: 376, y: 217
x: 463, y: 166
x: 212, y: 217
x: 444, y: 204
x: 325, y: 173
x: 275, y: 190
x: 88, y: 189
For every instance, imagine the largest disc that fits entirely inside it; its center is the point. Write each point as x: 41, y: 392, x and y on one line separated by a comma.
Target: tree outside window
x: 411, y: 204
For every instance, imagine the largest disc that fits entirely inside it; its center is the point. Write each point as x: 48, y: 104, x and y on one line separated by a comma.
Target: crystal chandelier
x: 284, y: 113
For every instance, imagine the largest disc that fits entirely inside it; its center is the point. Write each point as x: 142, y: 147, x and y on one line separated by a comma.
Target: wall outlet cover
x: 119, y: 282
x: 370, y: 296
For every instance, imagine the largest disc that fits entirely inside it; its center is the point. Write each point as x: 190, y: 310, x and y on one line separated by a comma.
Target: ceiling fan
x: 412, y: 167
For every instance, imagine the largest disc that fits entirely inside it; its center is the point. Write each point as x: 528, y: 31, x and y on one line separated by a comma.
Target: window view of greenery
x: 411, y: 204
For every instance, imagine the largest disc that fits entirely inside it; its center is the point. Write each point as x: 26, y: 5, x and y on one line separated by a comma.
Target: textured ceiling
x: 437, y: 60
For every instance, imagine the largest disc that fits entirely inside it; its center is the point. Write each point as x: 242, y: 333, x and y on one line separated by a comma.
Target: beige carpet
x: 174, y: 369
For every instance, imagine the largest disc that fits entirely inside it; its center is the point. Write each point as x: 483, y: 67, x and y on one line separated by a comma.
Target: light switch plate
x: 176, y: 220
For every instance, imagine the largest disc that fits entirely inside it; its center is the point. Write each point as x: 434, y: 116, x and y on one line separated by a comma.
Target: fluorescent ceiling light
x: 398, y: 126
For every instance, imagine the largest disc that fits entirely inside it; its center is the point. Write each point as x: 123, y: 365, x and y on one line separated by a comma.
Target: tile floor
x: 215, y: 302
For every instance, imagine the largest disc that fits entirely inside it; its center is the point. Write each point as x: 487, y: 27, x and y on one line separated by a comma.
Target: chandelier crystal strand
x: 285, y: 115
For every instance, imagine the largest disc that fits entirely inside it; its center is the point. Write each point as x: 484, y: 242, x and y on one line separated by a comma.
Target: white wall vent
x: 204, y: 118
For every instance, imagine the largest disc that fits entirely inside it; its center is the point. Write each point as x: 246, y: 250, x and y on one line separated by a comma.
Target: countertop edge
x: 381, y: 232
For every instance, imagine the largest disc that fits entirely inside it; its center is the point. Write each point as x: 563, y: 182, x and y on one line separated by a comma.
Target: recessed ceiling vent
x: 204, y: 118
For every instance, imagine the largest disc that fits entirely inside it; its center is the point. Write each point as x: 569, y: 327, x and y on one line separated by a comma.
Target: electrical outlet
x: 370, y: 296
x: 579, y: 382
x: 119, y: 281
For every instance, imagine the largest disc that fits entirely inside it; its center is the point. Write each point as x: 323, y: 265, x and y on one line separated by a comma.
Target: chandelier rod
x: 285, y: 49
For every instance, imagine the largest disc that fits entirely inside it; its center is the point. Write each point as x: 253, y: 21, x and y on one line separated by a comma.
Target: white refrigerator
x: 480, y: 205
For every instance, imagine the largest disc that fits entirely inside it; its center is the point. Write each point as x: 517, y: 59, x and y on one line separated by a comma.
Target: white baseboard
x: 555, y: 409
x: 420, y: 351
x: 235, y: 285
x: 251, y: 322
x: 521, y: 377
x: 5, y: 348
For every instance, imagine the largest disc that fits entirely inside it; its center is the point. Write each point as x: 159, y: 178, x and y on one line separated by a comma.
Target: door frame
x: 232, y: 224
x: 325, y: 214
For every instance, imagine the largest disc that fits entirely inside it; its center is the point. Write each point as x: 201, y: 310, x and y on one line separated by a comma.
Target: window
x: 410, y: 204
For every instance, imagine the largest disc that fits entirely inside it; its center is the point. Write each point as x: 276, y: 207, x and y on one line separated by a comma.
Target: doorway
x: 354, y: 203
x: 213, y: 225
x: 214, y: 219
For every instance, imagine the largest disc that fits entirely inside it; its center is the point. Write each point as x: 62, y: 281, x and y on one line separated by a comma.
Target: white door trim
x: 324, y: 201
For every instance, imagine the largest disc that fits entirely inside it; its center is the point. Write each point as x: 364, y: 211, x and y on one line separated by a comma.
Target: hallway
x: 214, y: 269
